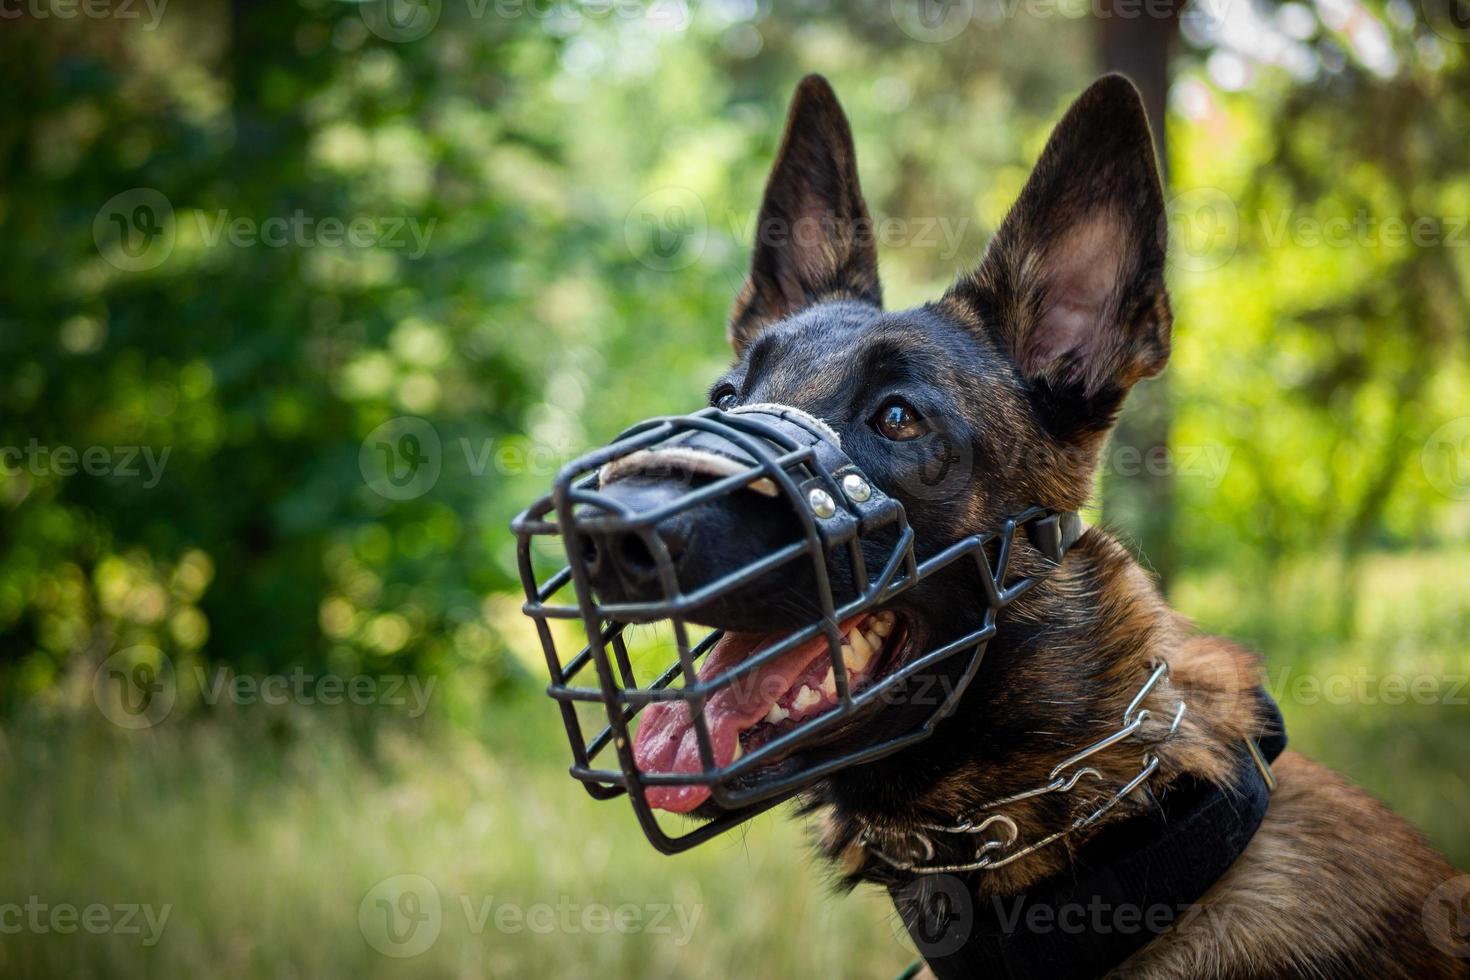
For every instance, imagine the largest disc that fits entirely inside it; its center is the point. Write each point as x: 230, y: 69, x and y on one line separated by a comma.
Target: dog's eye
x: 724, y: 399
x: 898, y: 420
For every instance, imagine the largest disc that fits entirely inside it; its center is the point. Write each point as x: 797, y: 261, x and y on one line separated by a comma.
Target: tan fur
x: 1071, y: 295
x: 1330, y: 873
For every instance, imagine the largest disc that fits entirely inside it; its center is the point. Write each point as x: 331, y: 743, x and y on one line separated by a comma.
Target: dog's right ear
x: 1072, y: 285
x: 814, y: 239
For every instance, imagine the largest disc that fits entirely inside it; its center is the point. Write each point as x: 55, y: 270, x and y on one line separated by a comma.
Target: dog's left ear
x: 1072, y: 286
x: 814, y: 239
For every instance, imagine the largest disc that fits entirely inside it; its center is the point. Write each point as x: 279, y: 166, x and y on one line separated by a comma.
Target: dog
x: 996, y: 397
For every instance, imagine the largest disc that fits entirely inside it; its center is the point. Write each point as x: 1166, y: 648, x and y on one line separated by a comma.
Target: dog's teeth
x: 739, y: 750
x: 829, y: 684
x: 875, y: 640
x: 861, y: 652
x: 777, y: 714
x: 883, y: 624
x: 805, y: 698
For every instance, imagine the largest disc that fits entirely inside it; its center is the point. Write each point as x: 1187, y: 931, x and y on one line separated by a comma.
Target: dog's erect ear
x: 1073, y: 283
x: 814, y: 239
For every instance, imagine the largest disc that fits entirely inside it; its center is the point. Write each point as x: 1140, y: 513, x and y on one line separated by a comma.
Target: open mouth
x: 763, y: 704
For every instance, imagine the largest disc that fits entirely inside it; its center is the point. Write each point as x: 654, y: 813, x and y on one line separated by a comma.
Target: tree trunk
x: 1140, y: 503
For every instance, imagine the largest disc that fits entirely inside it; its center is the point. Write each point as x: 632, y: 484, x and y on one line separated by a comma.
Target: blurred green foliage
x: 518, y: 172
x: 558, y: 205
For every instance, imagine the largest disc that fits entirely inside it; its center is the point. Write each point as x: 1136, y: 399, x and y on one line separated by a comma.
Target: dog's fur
x: 1019, y: 372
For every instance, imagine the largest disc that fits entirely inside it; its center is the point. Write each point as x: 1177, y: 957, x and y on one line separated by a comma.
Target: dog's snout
x: 627, y: 554
x: 623, y: 562
x: 706, y: 541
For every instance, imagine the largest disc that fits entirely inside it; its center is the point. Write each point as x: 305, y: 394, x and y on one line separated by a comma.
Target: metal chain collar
x: 996, y: 853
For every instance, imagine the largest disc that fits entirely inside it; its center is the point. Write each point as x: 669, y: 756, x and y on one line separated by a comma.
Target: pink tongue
x: 666, y: 741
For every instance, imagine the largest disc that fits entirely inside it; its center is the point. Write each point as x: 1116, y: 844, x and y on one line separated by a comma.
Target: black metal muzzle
x: 630, y: 518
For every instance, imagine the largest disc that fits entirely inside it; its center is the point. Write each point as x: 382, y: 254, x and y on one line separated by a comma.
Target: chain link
x: 1064, y: 776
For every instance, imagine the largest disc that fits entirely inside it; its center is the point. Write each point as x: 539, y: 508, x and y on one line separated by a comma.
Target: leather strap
x: 1125, y: 887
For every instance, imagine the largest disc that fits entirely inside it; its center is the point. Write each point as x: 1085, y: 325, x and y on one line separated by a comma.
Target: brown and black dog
x: 1012, y: 380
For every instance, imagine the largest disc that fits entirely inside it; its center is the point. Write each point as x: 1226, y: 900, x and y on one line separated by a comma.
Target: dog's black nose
x: 622, y: 563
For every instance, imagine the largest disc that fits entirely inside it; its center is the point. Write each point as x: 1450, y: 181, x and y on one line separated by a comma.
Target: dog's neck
x: 1059, y: 675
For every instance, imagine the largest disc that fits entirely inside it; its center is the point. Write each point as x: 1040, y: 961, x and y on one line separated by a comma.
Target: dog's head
x: 993, y: 398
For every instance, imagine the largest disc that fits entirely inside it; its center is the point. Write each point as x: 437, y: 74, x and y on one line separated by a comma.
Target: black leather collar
x: 1125, y: 887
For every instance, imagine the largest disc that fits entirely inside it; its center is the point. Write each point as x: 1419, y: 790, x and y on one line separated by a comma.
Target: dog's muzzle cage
x: 792, y: 456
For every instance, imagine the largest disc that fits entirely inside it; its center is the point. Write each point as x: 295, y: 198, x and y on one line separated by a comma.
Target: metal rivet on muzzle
x: 856, y: 488
x: 821, y: 503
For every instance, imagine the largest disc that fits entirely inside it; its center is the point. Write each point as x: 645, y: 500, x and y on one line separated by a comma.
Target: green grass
x: 266, y: 832
x: 266, y: 844
x: 1389, y: 705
